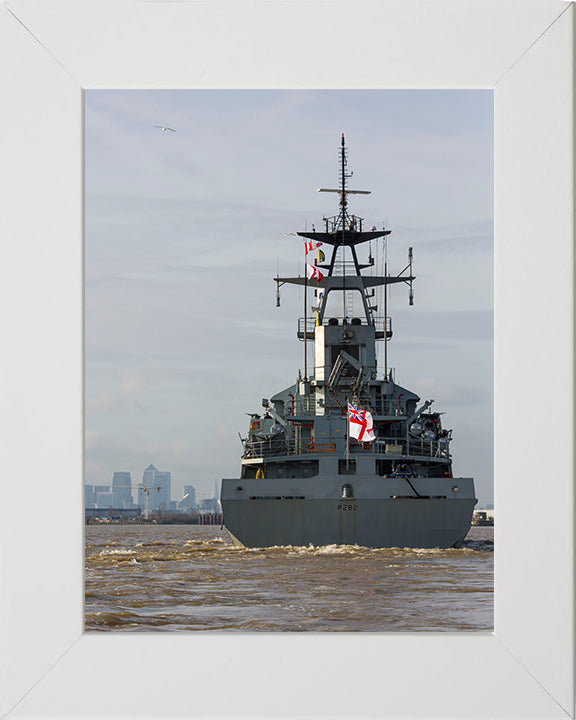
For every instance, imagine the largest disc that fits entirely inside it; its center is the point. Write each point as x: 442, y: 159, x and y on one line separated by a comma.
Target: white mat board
x: 51, y: 50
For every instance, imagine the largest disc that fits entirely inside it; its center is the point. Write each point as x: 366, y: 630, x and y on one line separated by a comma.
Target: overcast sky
x: 185, y: 231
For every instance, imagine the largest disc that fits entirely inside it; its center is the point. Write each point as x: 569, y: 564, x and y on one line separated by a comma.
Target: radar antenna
x: 411, y: 293
x: 408, y: 279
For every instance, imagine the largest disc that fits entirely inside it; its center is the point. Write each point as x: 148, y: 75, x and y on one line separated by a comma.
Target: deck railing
x: 309, y: 324
x: 304, y: 405
x: 389, y: 447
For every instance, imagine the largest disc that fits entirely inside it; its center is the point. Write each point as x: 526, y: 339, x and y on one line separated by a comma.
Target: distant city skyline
x: 152, y: 492
x: 185, y: 231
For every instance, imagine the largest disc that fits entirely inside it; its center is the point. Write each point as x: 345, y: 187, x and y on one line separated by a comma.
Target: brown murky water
x: 188, y: 577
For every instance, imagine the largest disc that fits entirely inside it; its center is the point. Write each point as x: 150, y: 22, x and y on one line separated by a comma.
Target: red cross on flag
x: 313, y: 272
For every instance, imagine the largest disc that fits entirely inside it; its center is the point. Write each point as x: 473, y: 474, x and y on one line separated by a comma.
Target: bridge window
x: 353, y: 350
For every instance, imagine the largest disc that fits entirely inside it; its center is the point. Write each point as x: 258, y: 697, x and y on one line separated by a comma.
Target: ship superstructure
x: 304, y: 478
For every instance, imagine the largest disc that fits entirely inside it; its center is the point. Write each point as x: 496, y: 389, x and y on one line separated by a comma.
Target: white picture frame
x: 54, y: 49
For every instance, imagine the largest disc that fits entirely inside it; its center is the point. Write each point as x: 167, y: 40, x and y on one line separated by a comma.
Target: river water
x: 190, y: 577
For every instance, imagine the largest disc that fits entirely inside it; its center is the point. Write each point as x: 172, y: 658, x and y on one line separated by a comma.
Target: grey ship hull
x: 384, y: 512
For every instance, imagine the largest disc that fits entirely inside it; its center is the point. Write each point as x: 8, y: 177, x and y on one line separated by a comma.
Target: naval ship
x: 346, y: 455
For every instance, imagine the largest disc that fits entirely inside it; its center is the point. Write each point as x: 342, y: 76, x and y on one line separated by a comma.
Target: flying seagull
x: 165, y: 128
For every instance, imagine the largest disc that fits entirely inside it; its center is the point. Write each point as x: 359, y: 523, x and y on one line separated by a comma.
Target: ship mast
x: 386, y: 318
x: 344, y: 218
x: 345, y: 231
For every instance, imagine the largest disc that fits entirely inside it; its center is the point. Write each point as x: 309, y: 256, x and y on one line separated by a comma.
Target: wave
x: 334, y: 549
x: 144, y: 553
x: 483, y: 545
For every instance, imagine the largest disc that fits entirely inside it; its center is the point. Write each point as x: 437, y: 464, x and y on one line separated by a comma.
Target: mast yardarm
x: 341, y: 231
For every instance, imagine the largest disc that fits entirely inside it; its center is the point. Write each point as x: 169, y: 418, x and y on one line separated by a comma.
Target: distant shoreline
x: 162, y: 519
